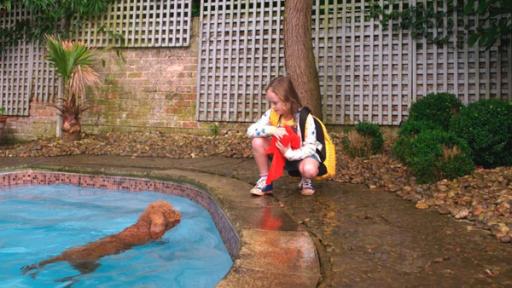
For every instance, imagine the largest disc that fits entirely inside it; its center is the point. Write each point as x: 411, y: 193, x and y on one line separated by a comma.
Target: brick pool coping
x: 33, y: 177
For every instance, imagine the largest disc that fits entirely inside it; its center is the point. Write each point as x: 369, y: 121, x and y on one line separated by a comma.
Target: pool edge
x: 261, y: 256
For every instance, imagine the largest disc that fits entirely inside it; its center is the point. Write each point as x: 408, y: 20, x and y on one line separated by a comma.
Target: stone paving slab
x: 269, y: 257
x: 278, y: 251
x: 265, y: 279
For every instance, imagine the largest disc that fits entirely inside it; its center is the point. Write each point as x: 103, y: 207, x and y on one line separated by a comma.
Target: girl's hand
x: 280, y: 132
x: 282, y: 148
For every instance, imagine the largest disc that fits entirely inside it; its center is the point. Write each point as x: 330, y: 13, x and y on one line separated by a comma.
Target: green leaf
x: 482, y: 7
x: 473, y: 38
x: 469, y: 8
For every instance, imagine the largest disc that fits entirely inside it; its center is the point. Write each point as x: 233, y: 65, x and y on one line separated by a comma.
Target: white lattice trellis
x: 44, y: 77
x: 25, y: 73
x: 15, y: 76
x: 15, y: 70
x: 361, y: 68
x: 153, y: 23
x: 241, y: 50
x: 365, y: 72
x: 472, y: 73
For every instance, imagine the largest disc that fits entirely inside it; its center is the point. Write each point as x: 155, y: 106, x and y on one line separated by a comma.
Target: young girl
x: 284, y: 111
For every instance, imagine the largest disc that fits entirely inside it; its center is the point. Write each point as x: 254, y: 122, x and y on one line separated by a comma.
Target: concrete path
x: 364, y: 238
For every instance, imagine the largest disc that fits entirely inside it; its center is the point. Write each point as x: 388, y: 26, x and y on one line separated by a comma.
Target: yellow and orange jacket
x: 315, y: 141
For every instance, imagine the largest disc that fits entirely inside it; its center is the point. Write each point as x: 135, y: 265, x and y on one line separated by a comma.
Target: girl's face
x: 281, y: 108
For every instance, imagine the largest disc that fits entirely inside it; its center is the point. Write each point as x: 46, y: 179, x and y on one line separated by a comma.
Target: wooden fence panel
x: 152, y: 23
x: 15, y: 70
x: 366, y: 73
x: 25, y: 74
x: 44, y: 77
x: 472, y: 73
x: 241, y: 51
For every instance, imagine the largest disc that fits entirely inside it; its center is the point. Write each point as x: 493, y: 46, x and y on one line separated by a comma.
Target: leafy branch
x: 48, y: 17
x: 434, y: 20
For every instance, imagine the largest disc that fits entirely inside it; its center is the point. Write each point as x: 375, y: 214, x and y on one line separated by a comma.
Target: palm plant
x: 73, y: 63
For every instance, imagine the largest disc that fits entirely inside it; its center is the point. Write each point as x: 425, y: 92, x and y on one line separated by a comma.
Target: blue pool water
x: 41, y: 221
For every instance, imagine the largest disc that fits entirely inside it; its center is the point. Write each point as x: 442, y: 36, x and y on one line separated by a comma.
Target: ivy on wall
x: 47, y: 17
x: 488, y: 20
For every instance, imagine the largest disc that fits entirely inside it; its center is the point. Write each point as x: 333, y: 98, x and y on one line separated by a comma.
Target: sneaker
x: 261, y: 188
x: 306, y: 187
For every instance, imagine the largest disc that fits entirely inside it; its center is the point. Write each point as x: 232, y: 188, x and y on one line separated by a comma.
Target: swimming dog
x: 156, y: 219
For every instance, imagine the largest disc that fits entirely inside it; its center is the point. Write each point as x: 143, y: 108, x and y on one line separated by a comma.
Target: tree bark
x: 3, y: 127
x: 71, y: 127
x: 298, y: 52
x: 60, y: 96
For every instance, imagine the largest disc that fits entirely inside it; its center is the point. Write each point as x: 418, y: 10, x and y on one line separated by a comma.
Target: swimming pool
x: 40, y: 221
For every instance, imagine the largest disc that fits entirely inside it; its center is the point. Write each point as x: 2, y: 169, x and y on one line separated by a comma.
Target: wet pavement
x: 364, y: 238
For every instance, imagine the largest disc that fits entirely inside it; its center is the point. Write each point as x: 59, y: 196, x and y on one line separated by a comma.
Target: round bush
x: 437, y: 154
x: 402, y: 148
x: 408, y: 131
x: 411, y: 128
x: 486, y: 126
x: 373, y: 132
x: 437, y: 108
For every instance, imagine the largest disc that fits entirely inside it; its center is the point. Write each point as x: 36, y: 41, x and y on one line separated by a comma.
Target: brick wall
x: 40, y: 123
x: 144, y: 88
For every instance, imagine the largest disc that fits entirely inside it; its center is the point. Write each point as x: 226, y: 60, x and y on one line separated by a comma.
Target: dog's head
x: 161, y: 217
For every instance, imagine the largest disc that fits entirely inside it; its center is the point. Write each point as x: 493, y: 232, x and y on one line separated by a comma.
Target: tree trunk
x: 58, y: 132
x: 71, y: 128
x: 3, y: 127
x: 298, y: 53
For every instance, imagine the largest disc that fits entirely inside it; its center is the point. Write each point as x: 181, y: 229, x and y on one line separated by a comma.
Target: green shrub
x: 407, y: 133
x: 411, y: 128
x: 364, y: 140
x: 402, y: 148
x: 437, y: 154
x: 486, y: 126
x: 373, y: 132
x: 214, y: 129
x: 437, y: 108
x: 2, y: 111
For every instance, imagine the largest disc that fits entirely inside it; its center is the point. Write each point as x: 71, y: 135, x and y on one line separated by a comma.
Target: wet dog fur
x: 156, y: 219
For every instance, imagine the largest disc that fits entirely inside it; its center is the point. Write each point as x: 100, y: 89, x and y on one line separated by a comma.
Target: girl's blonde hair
x: 283, y: 87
